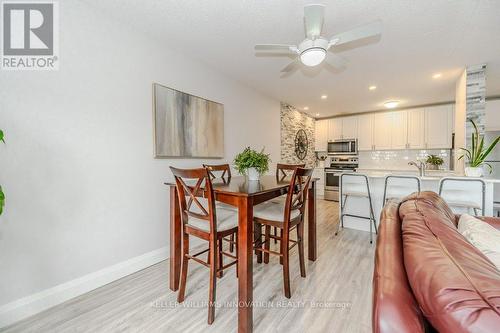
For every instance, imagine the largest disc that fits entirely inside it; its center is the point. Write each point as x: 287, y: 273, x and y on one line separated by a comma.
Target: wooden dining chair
x: 222, y: 171
x: 202, y: 219
x: 286, y: 217
x: 282, y: 172
x: 225, y: 170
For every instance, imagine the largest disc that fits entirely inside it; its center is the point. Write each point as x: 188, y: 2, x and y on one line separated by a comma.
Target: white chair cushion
x: 226, y: 206
x: 482, y: 235
x: 279, y: 200
x: 273, y: 211
x: 226, y: 218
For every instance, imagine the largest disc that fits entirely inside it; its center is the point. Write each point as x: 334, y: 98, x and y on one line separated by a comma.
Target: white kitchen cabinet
x: 399, y: 130
x: 438, y: 127
x: 320, y: 184
x: 382, y: 125
x: 334, y: 129
x: 321, y: 135
x: 349, y: 127
x: 416, y: 128
x: 492, y: 115
x: 365, y: 132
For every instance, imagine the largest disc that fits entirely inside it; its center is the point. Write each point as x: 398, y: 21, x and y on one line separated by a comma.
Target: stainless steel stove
x: 337, y: 165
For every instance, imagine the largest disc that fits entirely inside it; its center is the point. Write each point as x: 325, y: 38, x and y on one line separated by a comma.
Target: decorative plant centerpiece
x: 477, y: 154
x: 2, y: 195
x: 434, y: 162
x: 252, y: 163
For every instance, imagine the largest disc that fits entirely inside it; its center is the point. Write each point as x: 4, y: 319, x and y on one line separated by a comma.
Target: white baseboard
x: 35, y: 303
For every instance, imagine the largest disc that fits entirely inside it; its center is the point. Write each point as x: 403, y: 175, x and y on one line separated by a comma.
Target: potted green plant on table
x: 252, y: 163
x: 477, y: 153
x: 434, y: 162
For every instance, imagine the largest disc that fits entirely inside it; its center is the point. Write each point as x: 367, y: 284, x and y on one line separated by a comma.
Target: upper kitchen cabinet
x: 321, y: 135
x: 334, y: 129
x: 365, y: 132
x: 382, y: 129
x: 438, y: 127
x: 399, y: 130
x: 349, y: 127
x: 343, y: 128
x: 416, y: 128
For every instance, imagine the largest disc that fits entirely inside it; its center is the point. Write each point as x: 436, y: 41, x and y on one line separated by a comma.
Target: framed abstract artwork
x: 186, y: 126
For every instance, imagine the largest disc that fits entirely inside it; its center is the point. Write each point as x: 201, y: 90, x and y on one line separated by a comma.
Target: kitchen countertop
x: 431, y: 175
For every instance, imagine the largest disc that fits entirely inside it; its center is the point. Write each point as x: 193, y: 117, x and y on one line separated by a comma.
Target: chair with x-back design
x: 222, y: 172
x: 286, y: 216
x: 202, y: 219
x: 284, y: 171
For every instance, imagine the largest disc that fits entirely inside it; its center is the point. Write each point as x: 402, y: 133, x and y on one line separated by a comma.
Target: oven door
x: 332, y: 178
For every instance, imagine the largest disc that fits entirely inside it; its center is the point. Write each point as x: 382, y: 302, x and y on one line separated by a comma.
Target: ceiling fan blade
x: 365, y: 31
x: 313, y: 20
x: 336, y: 61
x: 276, y: 47
x: 290, y: 67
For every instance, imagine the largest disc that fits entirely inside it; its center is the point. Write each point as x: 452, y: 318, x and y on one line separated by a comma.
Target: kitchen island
x: 429, y: 182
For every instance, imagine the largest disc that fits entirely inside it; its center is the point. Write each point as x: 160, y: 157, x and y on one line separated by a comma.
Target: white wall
x: 83, y: 190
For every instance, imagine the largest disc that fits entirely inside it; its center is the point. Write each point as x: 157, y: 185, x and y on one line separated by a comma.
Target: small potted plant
x: 477, y: 154
x: 252, y: 163
x: 434, y: 162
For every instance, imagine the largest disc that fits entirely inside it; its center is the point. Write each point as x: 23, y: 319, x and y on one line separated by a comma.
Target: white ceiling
x: 420, y: 38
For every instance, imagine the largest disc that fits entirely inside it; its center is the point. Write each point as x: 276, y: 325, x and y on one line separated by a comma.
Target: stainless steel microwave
x: 343, y: 147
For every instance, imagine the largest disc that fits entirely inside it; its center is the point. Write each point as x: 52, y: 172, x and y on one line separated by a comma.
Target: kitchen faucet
x: 420, y: 166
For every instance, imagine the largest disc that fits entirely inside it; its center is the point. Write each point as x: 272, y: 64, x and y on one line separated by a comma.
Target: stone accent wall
x: 476, y: 99
x: 291, y: 121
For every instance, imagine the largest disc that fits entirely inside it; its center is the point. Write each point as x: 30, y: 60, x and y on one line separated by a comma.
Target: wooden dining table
x: 243, y: 194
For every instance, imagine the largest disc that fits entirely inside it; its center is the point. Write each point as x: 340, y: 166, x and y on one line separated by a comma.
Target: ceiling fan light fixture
x: 391, y: 104
x: 313, y: 56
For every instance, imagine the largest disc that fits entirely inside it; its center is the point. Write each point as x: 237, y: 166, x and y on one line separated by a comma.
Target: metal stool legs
x: 342, y: 201
x: 384, y: 200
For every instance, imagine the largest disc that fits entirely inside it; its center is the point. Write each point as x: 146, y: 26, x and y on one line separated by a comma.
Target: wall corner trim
x: 27, y: 306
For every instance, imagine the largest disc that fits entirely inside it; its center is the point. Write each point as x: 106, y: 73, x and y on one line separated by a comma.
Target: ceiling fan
x: 313, y: 50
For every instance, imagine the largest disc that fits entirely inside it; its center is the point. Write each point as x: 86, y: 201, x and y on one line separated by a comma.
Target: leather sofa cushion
x: 395, y: 310
x: 456, y: 286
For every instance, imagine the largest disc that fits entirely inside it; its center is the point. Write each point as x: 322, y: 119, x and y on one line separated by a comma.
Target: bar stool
x: 458, y: 195
x: 202, y: 219
x: 283, y: 171
x: 400, y: 187
x: 286, y: 215
x: 222, y: 171
x: 359, y: 188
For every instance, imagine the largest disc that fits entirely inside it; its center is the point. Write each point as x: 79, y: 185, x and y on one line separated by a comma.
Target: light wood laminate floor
x: 334, y: 297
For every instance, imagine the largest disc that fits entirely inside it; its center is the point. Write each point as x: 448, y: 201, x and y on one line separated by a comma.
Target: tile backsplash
x: 398, y: 159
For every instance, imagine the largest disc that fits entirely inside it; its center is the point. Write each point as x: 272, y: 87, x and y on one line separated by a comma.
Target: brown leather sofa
x: 427, y: 277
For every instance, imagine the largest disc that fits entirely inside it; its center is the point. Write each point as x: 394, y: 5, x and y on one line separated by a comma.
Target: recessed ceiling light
x: 437, y: 76
x: 372, y: 87
x: 317, y: 114
x: 306, y: 108
x: 324, y: 96
x: 391, y: 104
